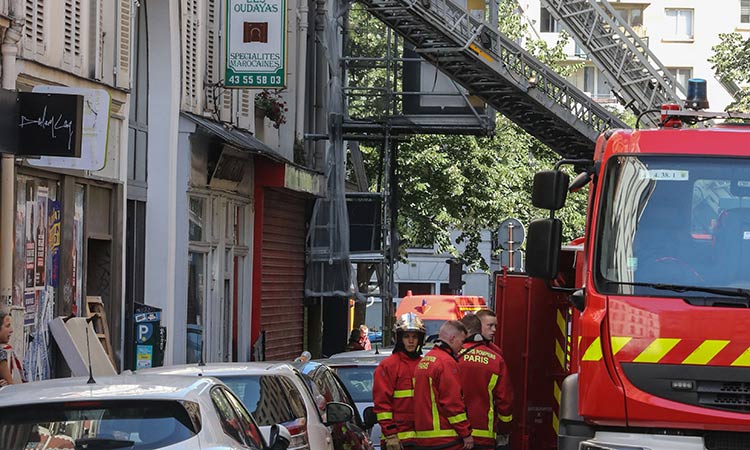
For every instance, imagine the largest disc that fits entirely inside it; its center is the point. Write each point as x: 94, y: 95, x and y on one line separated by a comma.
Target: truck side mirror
x: 543, y: 248
x: 550, y: 189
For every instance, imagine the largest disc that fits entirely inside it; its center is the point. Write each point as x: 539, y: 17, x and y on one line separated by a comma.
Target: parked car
x: 356, y: 370
x: 346, y: 436
x: 275, y: 392
x: 136, y: 412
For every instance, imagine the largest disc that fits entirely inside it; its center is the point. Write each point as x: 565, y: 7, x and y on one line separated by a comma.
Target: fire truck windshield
x: 673, y: 220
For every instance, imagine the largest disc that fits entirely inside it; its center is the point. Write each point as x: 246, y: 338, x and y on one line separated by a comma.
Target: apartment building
x: 680, y: 33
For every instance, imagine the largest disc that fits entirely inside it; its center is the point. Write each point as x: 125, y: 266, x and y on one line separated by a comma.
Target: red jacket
x: 393, y: 395
x: 487, y: 391
x: 439, y: 411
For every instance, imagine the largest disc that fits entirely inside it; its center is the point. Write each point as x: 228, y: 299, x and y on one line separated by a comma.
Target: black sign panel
x: 49, y: 124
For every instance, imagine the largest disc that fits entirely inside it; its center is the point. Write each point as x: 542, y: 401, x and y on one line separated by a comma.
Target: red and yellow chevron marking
x: 664, y: 350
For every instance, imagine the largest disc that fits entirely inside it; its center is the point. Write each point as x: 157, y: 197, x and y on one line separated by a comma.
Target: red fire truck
x: 637, y: 336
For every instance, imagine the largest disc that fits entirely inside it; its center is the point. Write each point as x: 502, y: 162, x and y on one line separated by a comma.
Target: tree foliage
x: 731, y: 62
x: 464, y: 183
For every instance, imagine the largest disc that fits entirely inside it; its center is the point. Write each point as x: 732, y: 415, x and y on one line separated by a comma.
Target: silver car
x: 136, y: 412
x: 275, y: 392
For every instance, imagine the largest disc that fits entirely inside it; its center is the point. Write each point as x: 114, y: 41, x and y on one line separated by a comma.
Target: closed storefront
x: 283, y: 273
x: 66, y: 231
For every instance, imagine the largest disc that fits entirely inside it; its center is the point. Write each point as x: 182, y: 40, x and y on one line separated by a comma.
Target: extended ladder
x: 637, y: 77
x: 503, y: 74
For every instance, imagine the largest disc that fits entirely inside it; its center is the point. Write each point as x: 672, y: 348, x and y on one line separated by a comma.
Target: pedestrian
x: 353, y: 343
x: 485, y: 382
x: 364, y: 340
x: 393, y: 386
x: 440, y: 416
x: 11, y: 371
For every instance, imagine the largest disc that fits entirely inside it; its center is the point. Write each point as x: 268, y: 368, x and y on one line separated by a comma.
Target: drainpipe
x: 8, y: 162
x: 302, y: 12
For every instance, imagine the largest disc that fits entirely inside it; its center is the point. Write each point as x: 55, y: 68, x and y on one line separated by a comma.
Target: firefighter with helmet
x: 393, y: 389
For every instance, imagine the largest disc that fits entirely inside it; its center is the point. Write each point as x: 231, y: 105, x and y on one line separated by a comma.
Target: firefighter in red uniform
x: 393, y: 388
x: 485, y: 382
x: 439, y: 412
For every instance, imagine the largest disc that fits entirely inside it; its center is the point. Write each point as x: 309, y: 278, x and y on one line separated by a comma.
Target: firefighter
x: 439, y: 412
x: 393, y: 389
x: 485, y: 382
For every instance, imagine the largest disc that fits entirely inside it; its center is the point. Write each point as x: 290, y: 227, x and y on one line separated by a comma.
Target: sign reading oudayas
x: 256, y: 44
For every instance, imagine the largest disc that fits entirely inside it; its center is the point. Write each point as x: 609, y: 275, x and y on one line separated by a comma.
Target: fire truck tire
x: 572, y: 429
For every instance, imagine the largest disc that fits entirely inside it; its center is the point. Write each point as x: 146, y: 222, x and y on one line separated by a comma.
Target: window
x: 588, y: 80
x: 138, y: 119
x: 681, y: 74
x: 229, y: 420
x: 415, y: 288
x: 270, y: 399
x: 252, y: 433
x: 679, y: 23
x: 547, y: 22
x: 632, y: 15
x: 745, y: 11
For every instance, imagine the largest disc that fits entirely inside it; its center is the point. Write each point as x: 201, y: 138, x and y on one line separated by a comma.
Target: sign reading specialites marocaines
x: 256, y: 44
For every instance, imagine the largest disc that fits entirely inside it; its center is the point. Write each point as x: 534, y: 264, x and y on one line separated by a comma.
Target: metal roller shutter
x: 283, y: 274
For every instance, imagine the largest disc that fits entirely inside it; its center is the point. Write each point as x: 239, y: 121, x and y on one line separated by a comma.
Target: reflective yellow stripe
x: 457, y: 418
x: 555, y: 423
x: 491, y: 412
x: 406, y: 435
x: 743, y: 360
x: 594, y: 352
x: 618, y: 342
x: 435, y: 414
x: 436, y: 433
x: 560, y: 354
x: 557, y: 392
x: 506, y: 419
x: 384, y: 416
x: 705, y: 352
x: 403, y: 393
x: 483, y: 433
x: 561, y: 323
x: 656, y: 350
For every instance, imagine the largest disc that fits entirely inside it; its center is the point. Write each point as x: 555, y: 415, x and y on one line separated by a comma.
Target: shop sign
x: 256, y: 44
x: 96, y: 106
x: 49, y: 124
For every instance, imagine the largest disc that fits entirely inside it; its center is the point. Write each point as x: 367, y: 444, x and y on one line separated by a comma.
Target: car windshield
x: 270, y: 399
x: 358, y: 381
x: 675, y: 221
x: 138, y: 425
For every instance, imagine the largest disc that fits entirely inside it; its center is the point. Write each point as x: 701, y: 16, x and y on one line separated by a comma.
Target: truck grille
x: 714, y: 387
x: 733, y: 396
x: 726, y: 441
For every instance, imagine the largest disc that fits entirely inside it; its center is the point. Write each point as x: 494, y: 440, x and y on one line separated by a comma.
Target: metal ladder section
x: 637, y: 77
x: 502, y: 73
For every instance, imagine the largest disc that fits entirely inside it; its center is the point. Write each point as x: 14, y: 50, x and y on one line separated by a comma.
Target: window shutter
x: 190, y: 29
x: 246, y: 108
x: 34, y: 28
x: 744, y: 11
x: 72, y: 36
x: 213, y: 53
x: 124, y: 25
x: 225, y: 110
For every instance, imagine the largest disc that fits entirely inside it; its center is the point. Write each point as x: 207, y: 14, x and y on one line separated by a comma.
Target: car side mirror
x: 337, y: 412
x: 369, y: 417
x: 280, y: 438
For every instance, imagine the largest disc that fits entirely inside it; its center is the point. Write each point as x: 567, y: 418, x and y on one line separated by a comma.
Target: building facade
x: 67, y: 218
x: 681, y: 33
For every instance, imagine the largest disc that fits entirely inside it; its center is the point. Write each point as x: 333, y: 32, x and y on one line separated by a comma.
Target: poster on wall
x: 41, y: 237
x: 55, y: 217
x: 30, y: 244
x: 256, y: 44
x: 30, y: 307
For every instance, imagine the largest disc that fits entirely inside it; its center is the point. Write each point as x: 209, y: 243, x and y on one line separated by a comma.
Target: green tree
x: 731, y: 62
x: 464, y: 183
